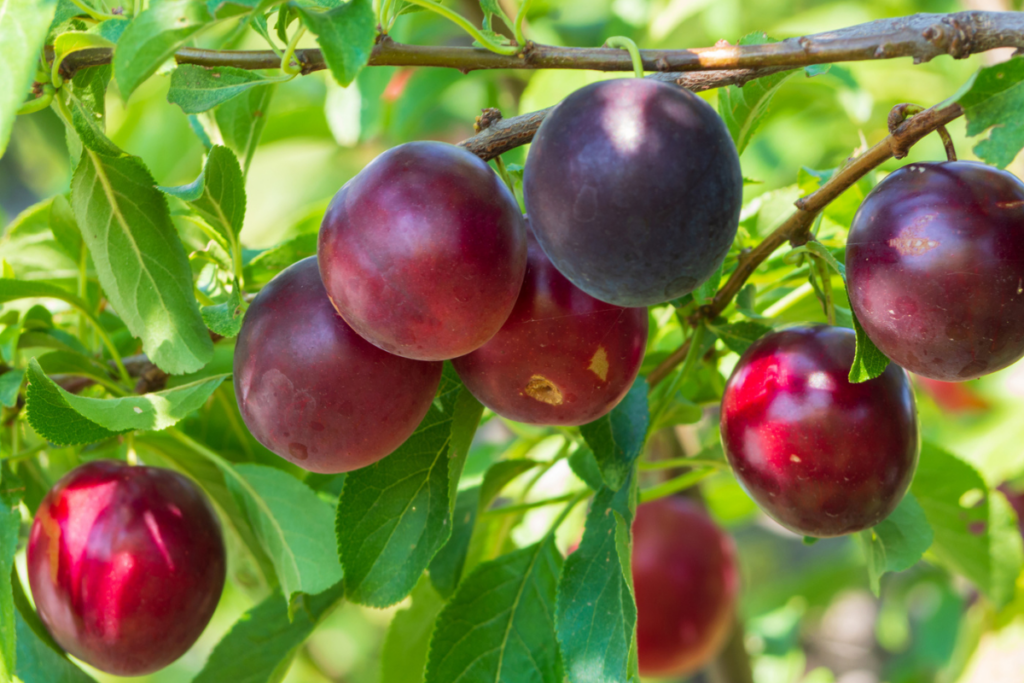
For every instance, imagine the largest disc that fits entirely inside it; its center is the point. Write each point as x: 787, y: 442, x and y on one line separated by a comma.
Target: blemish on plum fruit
x: 599, y: 364
x: 910, y: 241
x: 544, y: 390
x: 298, y: 451
x: 977, y: 528
x: 794, y: 458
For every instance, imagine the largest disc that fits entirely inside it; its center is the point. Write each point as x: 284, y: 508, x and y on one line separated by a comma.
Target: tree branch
x: 796, y: 228
x: 920, y: 36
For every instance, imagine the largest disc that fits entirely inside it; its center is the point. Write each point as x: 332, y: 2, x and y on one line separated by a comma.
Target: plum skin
x: 126, y: 565
x: 562, y: 357
x: 935, y: 261
x: 633, y: 188
x: 821, y: 456
x: 423, y: 253
x: 312, y: 390
x: 686, y: 581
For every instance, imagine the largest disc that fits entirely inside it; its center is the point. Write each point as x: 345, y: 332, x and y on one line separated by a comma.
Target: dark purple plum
x: 633, y: 188
x: 312, y: 390
x: 686, y: 582
x: 821, y: 456
x: 423, y: 253
x: 126, y: 565
x: 935, y: 262
x: 562, y: 357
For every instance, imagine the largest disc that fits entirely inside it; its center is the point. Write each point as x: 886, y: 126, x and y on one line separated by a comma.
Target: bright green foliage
x: 976, y: 534
x: 64, y: 418
x: 241, y: 121
x: 39, y: 661
x: 260, y: 647
x: 218, y: 194
x: 618, y: 437
x: 744, y: 109
x: 403, y: 658
x: 22, y: 33
x: 226, y: 318
x: 499, y: 626
x: 447, y: 566
x: 394, y: 515
x: 993, y: 99
x: 197, y: 89
x: 140, y: 260
x: 65, y: 229
x: 740, y: 335
x: 10, y: 383
x: 10, y: 525
x: 499, y: 475
x: 291, y: 523
x: 596, y: 615
x: 898, y: 542
x: 345, y: 34
x: 868, y: 361
x: 152, y: 38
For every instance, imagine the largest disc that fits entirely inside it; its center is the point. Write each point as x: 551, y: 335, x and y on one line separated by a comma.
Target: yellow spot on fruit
x: 543, y: 390
x: 794, y: 458
x: 599, y: 364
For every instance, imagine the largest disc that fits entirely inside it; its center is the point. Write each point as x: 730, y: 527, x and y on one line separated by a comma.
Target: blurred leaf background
x: 809, y: 614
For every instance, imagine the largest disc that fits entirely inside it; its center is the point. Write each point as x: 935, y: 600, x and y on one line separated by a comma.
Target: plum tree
x: 686, y: 582
x: 820, y: 455
x: 633, y: 188
x: 126, y: 565
x: 562, y: 357
x: 312, y: 390
x: 935, y: 261
x: 423, y: 253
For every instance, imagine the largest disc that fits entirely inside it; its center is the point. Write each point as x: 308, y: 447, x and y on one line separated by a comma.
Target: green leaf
x: 394, y: 515
x: 596, y: 615
x: 584, y: 466
x: 707, y: 289
x: 898, y: 542
x: 447, y: 566
x: 226, y: 318
x: 152, y: 38
x: 294, y: 525
x: 465, y: 419
x: 23, y: 27
x: 618, y: 437
x: 274, y: 260
x: 10, y: 525
x: 197, y: 89
x: 218, y: 194
x: 740, y: 335
x: 261, y: 645
x: 868, y: 361
x: 499, y: 626
x: 140, y: 260
x: 993, y: 99
x: 821, y: 251
x: 90, y: 133
x: 65, y: 419
x: 976, y: 534
x: 499, y: 475
x: 65, y: 228
x: 744, y: 109
x: 345, y: 35
x: 10, y: 384
x: 71, y: 42
x: 71, y: 363
x: 404, y: 656
x: 241, y: 121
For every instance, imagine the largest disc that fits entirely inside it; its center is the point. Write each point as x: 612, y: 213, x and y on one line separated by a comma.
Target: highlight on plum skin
x: 686, y: 582
x: 316, y: 393
x: 820, y: 455
x: 126, y: 565
x: 423, y: 253
x: 562, y: 357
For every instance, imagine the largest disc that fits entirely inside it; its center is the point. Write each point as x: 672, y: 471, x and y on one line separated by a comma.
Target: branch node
x: 661, y: 64
x: 806, y: 43
x: 488, y: 117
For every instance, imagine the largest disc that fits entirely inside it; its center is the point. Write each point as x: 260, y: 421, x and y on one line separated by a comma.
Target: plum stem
x: 289, y: 53
x: 627, y: 44
x: 902, y: 112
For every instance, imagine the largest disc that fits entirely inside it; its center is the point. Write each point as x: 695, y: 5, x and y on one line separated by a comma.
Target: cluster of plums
x: 633, y: 192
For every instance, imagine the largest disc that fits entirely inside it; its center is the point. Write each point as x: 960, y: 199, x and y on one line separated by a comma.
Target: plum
x: 633, y: 188
x: 423, y: 253
x: 935, y: 261
x: 312, y: 390
x: 820, y: 455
